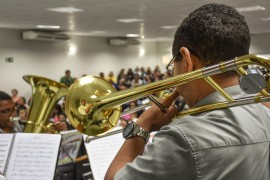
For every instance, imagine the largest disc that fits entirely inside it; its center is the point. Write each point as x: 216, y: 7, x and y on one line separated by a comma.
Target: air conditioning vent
x: 123, y: 41
x: 44, y: 36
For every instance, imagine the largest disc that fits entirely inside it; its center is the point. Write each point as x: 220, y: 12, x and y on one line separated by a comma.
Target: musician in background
x: 7, y: 110
x: 226, y: 144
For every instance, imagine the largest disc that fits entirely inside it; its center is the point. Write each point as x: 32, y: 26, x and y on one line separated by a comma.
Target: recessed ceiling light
x: 87, y: 33
x: 251, y: 8
x: 141, y: 52
x: 169, y: 27
x: 72, y: 49
x: 130, y: 20
x: 48, y: 26
x: 65, y: 9
x: 132, y: 35
x: 97, y: 32
x: 265, y: 19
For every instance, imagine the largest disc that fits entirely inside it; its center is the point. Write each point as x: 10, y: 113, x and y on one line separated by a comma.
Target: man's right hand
x: 154, y: 118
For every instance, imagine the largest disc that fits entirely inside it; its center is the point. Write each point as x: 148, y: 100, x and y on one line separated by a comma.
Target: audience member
x: 14, y: 95
x: 59, y: 122
x: 55, y: 113
x: 21, y: 104
x: 143, y: 73
x: 101, y: 75
x: 67, y: 79
x: 129, y: 77
x: 136, y: 81
x: 111, y: 77
x: 121, y: 75
x: 63, y: 118
x: 23, y: 114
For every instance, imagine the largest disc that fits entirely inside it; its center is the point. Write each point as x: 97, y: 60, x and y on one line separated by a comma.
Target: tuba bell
x: 45, y: 94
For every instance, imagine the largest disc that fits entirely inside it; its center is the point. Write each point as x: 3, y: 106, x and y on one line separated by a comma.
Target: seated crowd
x: 125, y: 79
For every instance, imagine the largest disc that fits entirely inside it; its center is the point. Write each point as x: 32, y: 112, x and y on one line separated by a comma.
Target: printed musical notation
x: 5, y: 144
x: 101, y: 153
x: 33, y: 156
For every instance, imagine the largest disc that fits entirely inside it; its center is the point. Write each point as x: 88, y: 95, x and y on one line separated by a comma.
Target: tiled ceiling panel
x: 101, y: 16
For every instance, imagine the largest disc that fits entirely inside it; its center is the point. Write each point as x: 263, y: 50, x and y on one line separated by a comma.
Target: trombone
x: 102, y: 103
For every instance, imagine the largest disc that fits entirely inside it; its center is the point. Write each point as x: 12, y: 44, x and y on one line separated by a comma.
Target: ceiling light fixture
x: 132, y: 35
x: 47, y: 26
x: 251, y: 8
x: 141, y: 52
x: 265, y: 19
x: 97, y: 32
x: 130, y: 20
x: 65, y: 9
x: 87, y: 33
x: 169, y: 27
x: 72, y: 49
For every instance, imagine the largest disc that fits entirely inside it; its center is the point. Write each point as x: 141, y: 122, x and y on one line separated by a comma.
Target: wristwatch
x: 132, y: 129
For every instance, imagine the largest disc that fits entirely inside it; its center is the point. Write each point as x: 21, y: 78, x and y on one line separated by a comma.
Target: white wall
x: 50, y: 60
x: 93, y: 55
x: 260, y: 44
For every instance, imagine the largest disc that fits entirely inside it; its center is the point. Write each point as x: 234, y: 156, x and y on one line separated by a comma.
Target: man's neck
x: 202, y: 89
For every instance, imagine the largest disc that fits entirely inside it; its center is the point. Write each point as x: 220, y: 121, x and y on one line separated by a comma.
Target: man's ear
x: 187, y: 58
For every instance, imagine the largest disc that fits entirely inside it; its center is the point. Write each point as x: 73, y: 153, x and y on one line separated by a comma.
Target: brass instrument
x: 45, y: 94
x: 102, y: 102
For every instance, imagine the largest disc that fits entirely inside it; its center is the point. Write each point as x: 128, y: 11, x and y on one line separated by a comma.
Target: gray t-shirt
x: 227, y: 144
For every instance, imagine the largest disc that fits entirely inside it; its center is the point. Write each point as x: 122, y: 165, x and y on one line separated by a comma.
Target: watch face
x: 128, y: 130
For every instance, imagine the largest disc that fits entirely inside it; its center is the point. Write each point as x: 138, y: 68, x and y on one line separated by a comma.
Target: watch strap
x: 139, y: 131
x: 142, y: 133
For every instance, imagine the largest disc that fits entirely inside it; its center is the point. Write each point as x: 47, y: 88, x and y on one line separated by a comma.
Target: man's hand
x: 154, y: 118
x: 60, y: 126
x: 151, y: 120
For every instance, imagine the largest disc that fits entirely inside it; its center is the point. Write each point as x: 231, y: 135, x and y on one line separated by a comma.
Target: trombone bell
x: 83, y: 106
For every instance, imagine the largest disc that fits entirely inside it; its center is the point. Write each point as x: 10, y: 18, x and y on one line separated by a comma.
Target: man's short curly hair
x: 215, y: 32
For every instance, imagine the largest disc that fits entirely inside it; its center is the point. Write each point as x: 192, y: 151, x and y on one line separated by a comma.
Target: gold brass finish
x: 103, y: 101
x: 88, y: 112
x: 218, y: 88
x: 45, y: 94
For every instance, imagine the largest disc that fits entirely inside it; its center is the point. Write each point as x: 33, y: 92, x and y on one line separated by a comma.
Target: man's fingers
x: 168, y: 101
x: 172, y: 109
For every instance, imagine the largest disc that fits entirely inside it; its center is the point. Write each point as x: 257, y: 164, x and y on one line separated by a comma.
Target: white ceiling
x: 101, y: 15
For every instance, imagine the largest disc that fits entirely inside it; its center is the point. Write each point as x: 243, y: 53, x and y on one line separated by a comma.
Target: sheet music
x: 5, y: 144
x: 70, y: 146
x: 33, y: 156
x: 101, y: 152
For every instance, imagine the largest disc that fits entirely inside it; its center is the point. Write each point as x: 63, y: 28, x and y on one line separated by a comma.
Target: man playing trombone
x: 230, y: 143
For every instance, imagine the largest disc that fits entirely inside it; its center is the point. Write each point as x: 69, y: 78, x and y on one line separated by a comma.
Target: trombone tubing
x: 210, y: 107
x: 121, y: 97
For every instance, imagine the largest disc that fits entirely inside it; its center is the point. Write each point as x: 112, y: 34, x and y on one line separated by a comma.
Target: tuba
x: 45, y: 94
